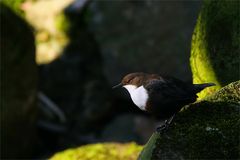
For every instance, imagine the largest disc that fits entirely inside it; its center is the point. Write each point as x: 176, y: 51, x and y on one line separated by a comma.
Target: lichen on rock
x: 208, y: 129
x: 215, y: 44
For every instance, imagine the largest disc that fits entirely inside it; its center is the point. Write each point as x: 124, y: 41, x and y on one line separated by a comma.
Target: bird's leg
x: 166, y: 124
x: 161, y: 128
x: 169, y: 121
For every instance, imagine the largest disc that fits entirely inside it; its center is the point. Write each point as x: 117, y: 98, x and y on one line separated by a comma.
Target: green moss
x: 62, y: 23
x: 101, y: 151
x: 215, y: 44
x: 228, y: 94
x: 208, y: 129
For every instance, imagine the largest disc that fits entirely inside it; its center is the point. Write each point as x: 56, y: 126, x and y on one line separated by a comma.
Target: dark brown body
x: 168, y: 95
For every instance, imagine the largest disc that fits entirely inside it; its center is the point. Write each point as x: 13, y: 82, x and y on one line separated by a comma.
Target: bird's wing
x: 169, y: 89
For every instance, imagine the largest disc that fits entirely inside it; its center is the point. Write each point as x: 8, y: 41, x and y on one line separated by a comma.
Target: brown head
x: 136, y: 79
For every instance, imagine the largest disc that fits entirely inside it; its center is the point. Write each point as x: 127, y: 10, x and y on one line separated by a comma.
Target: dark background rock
x: 18, y: 86
x: 149, y: 36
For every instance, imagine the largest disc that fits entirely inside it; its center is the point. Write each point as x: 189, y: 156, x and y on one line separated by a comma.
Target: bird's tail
x: 200, y: 87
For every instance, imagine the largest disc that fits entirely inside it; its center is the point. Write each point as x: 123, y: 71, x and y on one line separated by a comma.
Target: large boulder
x: 215, y: 44
x: 18, y: 86
x: 208, y: 129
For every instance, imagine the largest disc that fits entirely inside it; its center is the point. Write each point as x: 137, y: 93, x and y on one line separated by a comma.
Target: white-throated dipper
x: 161, y: 96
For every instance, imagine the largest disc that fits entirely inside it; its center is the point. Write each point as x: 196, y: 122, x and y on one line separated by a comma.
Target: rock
x: 101, y: 151
x: 144, y: 36
x: 208, y: 129
x: 18, y: 86
x: 215, y: 44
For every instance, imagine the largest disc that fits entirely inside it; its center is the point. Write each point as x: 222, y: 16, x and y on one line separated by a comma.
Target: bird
x: 161, y: 96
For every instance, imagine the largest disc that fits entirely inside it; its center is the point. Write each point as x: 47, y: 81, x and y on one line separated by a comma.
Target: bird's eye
x: 130, y: 80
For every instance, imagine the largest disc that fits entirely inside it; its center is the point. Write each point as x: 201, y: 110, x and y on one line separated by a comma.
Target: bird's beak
x: 117, y: 86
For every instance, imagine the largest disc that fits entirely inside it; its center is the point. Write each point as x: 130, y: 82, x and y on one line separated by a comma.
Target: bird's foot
x: 162, y: 128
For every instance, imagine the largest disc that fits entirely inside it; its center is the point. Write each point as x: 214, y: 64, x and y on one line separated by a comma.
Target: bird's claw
x: 162, y: 128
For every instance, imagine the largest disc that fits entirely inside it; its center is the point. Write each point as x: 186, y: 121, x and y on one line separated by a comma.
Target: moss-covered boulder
x: 208, y: 129
x: 215, y: 44
x: 17, y: 85
x: 101, y: 151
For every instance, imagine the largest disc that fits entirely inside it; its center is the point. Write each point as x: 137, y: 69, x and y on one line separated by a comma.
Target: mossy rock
x: 208, y: 129
x: 215, y: 44
x: 101, y: 151
x: 18, y: 86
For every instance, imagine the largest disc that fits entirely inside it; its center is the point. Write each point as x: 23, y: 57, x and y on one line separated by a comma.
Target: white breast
x: 138, y: 94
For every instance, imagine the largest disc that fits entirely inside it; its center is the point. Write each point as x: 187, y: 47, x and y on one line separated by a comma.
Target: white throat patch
x: 138, y: 95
